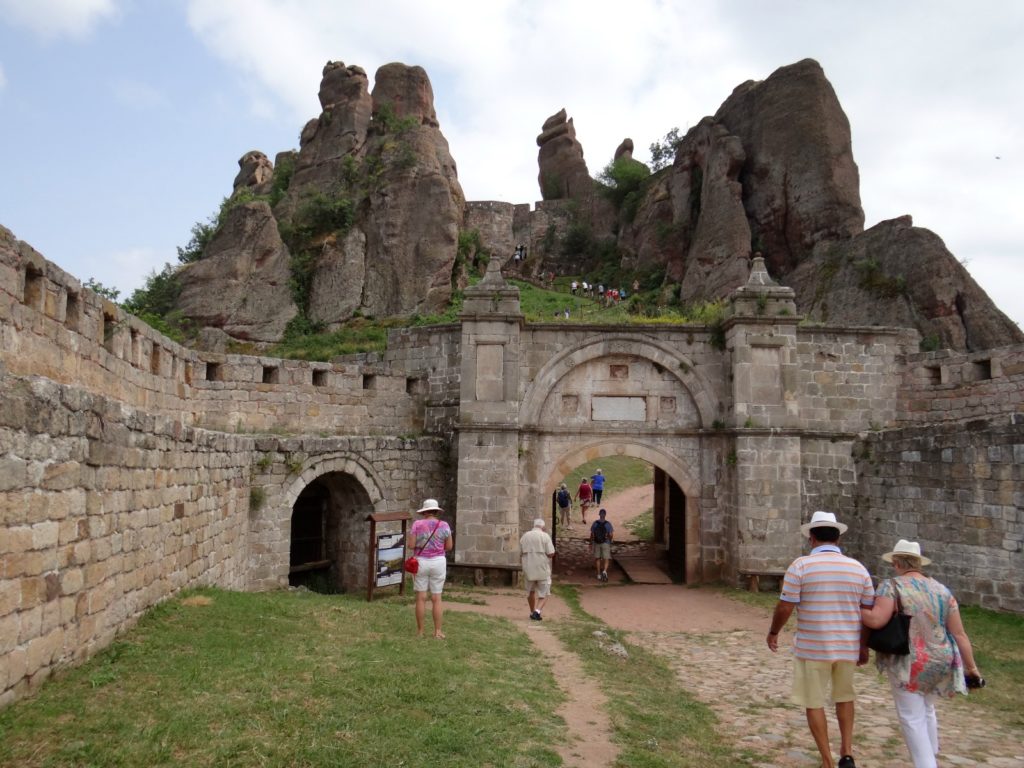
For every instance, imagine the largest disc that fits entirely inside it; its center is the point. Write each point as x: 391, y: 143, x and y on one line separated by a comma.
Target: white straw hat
x: 822, y: 520
x: 907, y: 549
x: 429, y: 505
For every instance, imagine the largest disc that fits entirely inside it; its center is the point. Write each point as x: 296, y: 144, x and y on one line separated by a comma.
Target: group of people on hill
x: 608, y: 296
x: 837, y: 607
x: 589, y: 493
x: 836, y: 604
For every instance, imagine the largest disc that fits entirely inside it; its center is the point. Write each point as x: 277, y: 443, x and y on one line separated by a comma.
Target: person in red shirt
x: 585, y: 495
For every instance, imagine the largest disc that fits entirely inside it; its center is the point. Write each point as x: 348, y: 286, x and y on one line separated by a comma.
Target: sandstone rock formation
x: 896, y: 274
x: 255, y: 172
x: 773, y: 171
x: 370, y: 216
x: 625, y: 149
x: 800, y: 183
x: 563, y: 171
x: 241, y: 283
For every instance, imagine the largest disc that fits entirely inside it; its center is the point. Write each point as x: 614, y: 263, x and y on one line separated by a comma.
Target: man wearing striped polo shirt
x: 827, y: 589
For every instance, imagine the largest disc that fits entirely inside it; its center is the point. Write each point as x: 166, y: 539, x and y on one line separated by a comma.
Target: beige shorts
x: 811, y: 680
x: 542, y: 587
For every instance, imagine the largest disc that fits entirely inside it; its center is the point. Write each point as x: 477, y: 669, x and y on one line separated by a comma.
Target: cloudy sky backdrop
x: 121, y: 121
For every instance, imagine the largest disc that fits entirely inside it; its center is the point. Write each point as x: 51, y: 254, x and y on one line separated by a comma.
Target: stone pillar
x: 487, y: 507
x: 760, y: 332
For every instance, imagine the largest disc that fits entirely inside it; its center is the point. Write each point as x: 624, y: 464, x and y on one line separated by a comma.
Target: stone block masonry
x: 105, y: 510
x: 958, y: 489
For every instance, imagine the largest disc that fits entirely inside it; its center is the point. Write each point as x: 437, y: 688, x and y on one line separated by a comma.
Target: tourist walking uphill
x: 827, y: 590
x: 564, y: 500
x: 601, y: 533
x: 597, y: 485
x: 585, y: 493
x: 429, y: 538
x: 537, y: 551
x: 940, y: 651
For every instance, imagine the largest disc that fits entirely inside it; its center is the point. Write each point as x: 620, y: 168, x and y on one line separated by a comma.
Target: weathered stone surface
x: 255, y: 172
x: 800, y: 183
x: 340, y: 270
x: 241, y: 284
x: 625, y: 149
x: 381, y: 157
x: 708, y: 211
x: 339, y: 131
x: 896, y: 274
x: 563, y: 171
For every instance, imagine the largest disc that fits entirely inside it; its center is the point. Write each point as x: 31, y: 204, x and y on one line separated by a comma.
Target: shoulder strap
x: 427, y: 542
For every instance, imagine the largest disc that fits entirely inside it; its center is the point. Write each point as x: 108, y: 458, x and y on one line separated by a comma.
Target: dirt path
x: 716, y: 648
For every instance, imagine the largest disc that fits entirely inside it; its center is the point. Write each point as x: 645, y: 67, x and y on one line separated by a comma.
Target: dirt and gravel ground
x: 715, y: 646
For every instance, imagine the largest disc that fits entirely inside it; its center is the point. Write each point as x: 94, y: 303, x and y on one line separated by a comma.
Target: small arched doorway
x: 329, y: 544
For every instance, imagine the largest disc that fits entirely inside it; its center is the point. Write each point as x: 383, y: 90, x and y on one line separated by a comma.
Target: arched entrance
x: 677, y: 528
x: 329, y: 545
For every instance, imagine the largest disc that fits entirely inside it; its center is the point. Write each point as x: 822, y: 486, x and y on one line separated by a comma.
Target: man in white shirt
x: 537, y: 551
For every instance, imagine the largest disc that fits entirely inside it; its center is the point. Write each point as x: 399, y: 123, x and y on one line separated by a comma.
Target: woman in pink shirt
x: 429, y: 538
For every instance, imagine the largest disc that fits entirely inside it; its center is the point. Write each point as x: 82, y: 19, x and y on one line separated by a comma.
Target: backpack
x: 564, y: 498
x: 600, y: 531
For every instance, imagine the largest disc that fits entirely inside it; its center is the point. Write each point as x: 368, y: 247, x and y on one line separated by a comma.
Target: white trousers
x: 916, y: 712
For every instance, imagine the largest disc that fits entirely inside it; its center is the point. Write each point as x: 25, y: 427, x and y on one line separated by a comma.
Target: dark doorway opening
x: 330, y: 535
x: 308, y: 563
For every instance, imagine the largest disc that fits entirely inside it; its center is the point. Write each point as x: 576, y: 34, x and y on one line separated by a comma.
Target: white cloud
x: 53, y: 19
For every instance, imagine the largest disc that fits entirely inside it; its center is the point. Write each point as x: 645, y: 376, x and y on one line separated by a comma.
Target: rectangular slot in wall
x: 369, y: 381
x: 933, y: 374
x: 213, y: 372
x: 73, y: 312
x: 34, y: 288
x: 154, y: 361
x: 109, y: 330
x: 982, y: 370
x: 270, y: 374
x: 319, y: 378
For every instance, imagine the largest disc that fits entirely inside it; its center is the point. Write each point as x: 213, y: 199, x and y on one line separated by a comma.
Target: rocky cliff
x: 363, y: 218
x: 773, y: 172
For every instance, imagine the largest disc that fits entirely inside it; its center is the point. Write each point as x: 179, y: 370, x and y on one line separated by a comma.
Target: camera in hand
x: 974, y: 681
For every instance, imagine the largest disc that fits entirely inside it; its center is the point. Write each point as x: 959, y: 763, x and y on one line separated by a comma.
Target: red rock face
x: 563, y: 171
x: 396, y: 255
x: 800, y: 183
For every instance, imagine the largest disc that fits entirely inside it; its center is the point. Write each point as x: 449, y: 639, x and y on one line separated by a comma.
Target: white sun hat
x: 907, y: 549
x: 822, y: 520
x: 429, y: 505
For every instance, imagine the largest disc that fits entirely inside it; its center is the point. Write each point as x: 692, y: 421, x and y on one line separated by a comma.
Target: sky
x: 122, y: 121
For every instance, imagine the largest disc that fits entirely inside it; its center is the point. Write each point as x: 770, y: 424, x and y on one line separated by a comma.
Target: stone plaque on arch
x: 618, y: 408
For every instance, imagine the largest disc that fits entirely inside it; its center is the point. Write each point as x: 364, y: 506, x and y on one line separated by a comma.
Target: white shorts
x: 542, y: 588
x: 431, y: 574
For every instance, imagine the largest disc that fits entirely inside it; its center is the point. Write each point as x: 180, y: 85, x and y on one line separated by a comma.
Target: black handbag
x: 894, y: 637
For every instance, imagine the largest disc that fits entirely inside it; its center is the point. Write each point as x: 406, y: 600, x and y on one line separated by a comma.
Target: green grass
x: 294, y: 679
x: 655, y: 721
x: 642, y: 526
x: 998, y: 643
x: 539, y: 305
x: 621, y: 472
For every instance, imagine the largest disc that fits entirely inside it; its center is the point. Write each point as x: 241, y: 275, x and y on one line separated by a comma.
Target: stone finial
x: 493, y: 277
x: 758, y: 273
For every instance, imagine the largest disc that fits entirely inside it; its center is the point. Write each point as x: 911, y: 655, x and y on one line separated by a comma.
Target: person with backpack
x: 564, y: 500
x: 601, y: 533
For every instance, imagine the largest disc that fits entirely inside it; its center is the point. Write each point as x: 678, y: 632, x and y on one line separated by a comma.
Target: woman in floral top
x: 939, y: 649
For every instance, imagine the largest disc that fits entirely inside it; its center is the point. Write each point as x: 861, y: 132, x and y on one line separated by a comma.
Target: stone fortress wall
x: 127, y: 467
x: 132, y: 467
